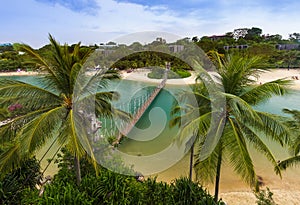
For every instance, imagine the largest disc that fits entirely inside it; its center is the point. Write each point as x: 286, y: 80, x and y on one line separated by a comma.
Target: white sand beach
x: 19, y: 73
x: 142, y: 76
x: 274, y: 74
x: 265, y: 76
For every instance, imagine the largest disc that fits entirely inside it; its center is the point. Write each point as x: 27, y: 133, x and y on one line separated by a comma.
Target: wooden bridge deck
x: 142, y: 110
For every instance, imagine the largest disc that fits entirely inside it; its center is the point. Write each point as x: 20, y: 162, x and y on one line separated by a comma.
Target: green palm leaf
x: 261, y: 93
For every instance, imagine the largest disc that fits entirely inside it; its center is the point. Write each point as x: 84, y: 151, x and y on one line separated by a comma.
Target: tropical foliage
x: 112, y: 188
x: 14, y: 183
x: 294, y: 125
x: 244, y: 126
x: 50, y: 106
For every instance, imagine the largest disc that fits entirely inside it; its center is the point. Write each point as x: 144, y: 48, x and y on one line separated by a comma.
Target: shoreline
x: 137, y: 75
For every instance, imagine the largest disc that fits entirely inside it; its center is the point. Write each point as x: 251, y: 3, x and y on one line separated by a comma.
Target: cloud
x: 96, y: 21
x: 86, y: 6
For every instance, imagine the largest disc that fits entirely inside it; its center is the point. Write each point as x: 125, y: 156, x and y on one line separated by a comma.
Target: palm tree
x: 295, y: 143
x: 55, y: 108
x: 196, y: 102
x: 244, y: 125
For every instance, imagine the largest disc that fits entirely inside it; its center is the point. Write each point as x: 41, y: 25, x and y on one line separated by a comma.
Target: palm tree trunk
x: 218, y: 175
x: 77, y: 170
x: 191, y: 163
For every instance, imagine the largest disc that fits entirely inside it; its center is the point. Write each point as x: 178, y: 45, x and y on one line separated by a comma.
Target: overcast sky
x: 97, y: 21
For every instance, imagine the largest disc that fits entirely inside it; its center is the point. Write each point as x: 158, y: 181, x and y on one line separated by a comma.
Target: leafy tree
x: 195, y: 39
x: 51, y: 106
x: 240, y: 33
x: 254, y: 34
x: 294, y: 37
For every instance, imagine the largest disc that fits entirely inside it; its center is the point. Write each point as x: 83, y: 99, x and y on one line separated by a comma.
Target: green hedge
x: 158, y: 73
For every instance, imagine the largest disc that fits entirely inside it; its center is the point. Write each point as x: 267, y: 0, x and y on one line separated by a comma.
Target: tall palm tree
x: 184, y: 113
x: 53, y: 111
x: 295, y: 143
x: 244, y: 125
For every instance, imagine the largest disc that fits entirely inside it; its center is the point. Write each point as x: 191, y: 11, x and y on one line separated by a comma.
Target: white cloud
x: 30, y: 22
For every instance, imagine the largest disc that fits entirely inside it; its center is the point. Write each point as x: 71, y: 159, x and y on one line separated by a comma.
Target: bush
x: 264, y: 197
x: 13, y: 184
x: 112, y: 188
x: 158, y: 73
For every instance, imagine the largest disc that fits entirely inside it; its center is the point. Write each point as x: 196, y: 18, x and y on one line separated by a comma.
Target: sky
x: 125, y: 21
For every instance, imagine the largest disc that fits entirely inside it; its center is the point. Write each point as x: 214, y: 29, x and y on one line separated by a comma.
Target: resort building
x: 176, y: 48
x: 288, y: 46
x: 236, y: 47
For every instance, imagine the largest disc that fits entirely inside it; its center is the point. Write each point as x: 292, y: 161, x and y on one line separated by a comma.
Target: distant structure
x: 287, y: 46
x: 176, y: 48
x: 236, y: 47
x: 106, y: 52
x: 217, y: 37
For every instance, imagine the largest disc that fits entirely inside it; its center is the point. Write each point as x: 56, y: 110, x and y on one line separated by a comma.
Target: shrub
x: 14, y: 183
x: 158, y: 73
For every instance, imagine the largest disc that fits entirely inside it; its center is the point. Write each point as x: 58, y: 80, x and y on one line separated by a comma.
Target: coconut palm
x: 184, y: 113
x: 295, y: 143
x: 243, y: 125
x: 55, y: 108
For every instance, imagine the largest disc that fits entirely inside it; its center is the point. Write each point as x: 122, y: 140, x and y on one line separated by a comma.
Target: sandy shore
x: 292, y: 74
x: 20, y: 73
x: 266, y: 76
x: 142, y: 76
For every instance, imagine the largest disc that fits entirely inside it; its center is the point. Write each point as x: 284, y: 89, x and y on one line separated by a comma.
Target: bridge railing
x: 140, y: 112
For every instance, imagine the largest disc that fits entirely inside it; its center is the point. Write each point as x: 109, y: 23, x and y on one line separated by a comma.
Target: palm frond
x: 239, y: 154
x: 27, y: 95
x: 34, y: 134
x: 255, y: 140
x: 11, y: 128
x: 261, y: 93
x: 240, y: 109
x: 273, y: 128
x: 293, y: 161
x: 70, y: 135
x: 206, y: 169
x: 10, y: 158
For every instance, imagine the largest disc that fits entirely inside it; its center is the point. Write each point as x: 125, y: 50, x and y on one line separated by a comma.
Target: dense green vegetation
x: 157, y: 53
x: 105, y: 188
x: 39, y: 114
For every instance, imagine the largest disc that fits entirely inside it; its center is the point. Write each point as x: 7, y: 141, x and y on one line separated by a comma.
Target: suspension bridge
x: 139, y: 112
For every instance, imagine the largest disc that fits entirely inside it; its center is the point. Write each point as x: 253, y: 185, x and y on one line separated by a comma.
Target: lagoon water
x: 164, y: 135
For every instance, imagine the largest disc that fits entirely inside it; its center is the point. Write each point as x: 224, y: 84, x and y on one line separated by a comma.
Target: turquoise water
x: 140, y: 143
x: 277, y: 103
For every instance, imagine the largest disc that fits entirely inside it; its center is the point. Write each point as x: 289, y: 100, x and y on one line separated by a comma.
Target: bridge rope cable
x: 141, y: 111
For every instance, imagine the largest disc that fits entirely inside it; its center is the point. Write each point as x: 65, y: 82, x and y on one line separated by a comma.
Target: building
x: 217, y: 37
x: 288, y: 46
x: 236, y: 47
x: 176, y: 48
x: 106, y: 52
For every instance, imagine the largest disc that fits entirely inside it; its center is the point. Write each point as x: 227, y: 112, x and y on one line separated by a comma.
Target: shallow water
x: 139, y: 144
